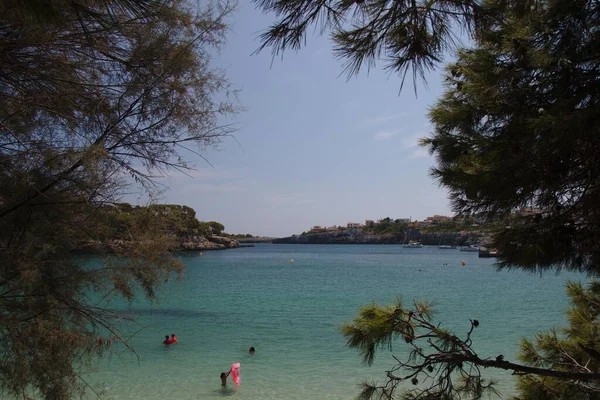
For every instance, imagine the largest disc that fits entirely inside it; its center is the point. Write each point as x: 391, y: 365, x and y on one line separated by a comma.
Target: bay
x: 230, y: 300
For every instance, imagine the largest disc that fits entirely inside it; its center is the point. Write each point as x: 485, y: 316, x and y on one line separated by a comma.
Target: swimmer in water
x: 224, y: 376
x: 174, y: 338
x: 167, y: 340
x: 251, y: 350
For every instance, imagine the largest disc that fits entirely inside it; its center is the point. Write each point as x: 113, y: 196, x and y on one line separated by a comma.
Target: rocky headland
x: 123, y: 224
x: 186, y: 243
x: 205, y: 243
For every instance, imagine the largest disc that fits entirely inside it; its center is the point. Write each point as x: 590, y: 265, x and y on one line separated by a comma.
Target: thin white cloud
x: 206, y: 174
x: 419, y: 153
x: 410, y: 143
x: 382, y: 118
x: 281, y: 199
x: 212, y: 187
x: 385, y: 135
x: 208, y: 179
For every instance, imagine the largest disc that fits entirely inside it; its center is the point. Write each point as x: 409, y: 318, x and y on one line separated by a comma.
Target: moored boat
x: 470, y: 249
x: 487, y: 253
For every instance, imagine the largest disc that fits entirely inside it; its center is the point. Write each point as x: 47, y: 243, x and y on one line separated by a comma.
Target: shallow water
x: 231, y: 300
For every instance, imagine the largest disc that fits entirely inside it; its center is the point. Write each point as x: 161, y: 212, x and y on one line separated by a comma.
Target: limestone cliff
x: 211, y: 242
x: 186, y: 243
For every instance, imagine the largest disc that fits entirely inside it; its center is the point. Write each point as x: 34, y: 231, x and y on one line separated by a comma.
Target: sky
x: 312, y: 147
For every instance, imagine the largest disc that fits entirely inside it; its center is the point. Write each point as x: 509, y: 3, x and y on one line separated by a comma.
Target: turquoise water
x: 231, y: 300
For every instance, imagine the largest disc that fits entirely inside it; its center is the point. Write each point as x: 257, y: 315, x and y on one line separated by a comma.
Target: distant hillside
x: 360, y: 236
x: 347, y: 236
x: 453, y: 231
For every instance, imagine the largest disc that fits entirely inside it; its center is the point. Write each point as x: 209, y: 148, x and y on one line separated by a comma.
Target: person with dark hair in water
x: 251, y: 350
x: 224, y: 376
x: 167, y: 340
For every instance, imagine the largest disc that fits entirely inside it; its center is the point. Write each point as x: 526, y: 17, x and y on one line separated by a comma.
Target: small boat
x: 413, y: 245
x: 486, y: 253
x: 446, y: 247
x: 470, y: 249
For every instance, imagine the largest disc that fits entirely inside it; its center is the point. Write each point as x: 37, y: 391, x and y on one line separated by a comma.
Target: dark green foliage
x: 176, y: 220
x: 51, y: 330
x: 445, y: 363
x: 179, y: 219
x: 93, y: 94
x: 561, y: 365
x: 575, y: 348
x: 389, y: 226
x: 518, y: 127
x: 216, y: 227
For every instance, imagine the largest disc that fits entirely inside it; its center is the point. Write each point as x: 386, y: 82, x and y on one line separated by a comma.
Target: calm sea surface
x: 231, y: 300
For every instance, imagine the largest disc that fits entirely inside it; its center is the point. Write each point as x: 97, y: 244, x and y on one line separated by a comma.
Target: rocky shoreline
x: 256, y: 239
x: 207, y: 243
x: 190, y: 243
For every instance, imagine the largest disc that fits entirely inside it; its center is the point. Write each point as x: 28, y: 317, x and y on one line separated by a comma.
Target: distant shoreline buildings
x: 370, y: 223
x: 432, y: 221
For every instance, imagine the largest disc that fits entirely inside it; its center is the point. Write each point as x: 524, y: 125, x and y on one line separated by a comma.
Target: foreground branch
x: 447, y: 364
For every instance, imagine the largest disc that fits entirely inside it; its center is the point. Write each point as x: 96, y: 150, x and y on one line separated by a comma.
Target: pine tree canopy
x: 518, y: 126
x: 407, y: 35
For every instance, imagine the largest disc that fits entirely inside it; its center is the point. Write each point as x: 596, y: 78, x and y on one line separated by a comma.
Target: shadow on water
x: 225, y: 392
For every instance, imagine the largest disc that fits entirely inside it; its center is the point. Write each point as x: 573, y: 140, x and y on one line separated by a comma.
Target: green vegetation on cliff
x: 123, y: 221
x: 388, y: 226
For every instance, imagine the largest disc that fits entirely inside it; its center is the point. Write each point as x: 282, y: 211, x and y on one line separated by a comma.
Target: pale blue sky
x: 316, y: 149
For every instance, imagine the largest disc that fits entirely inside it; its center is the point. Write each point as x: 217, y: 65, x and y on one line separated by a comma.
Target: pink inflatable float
x: 235, y: 373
